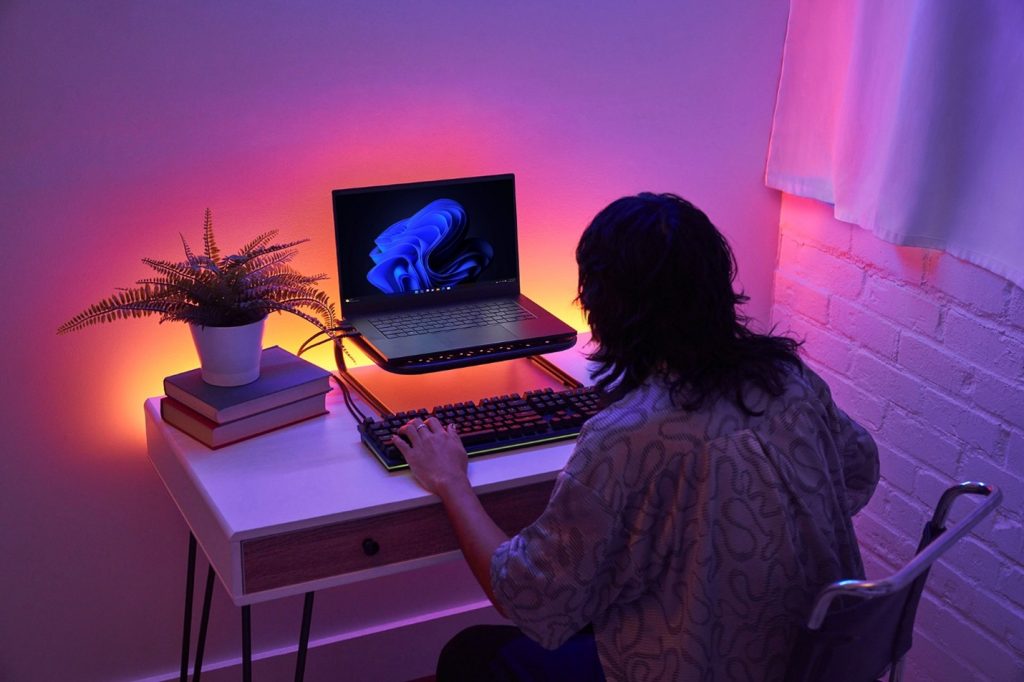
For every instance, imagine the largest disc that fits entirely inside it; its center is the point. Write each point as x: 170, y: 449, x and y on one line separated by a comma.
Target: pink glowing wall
x: 122, y: 121
x: 927, y: 351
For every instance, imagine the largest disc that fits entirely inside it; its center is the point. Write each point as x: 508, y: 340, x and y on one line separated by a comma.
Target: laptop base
x: 452, y: 359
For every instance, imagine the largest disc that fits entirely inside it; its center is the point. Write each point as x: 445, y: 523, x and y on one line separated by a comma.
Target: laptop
x: 429, y: 275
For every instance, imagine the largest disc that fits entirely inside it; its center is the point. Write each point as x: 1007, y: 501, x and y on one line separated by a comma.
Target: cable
x: 357, y: 414
x: 346, y: 331
x: 330, y: 333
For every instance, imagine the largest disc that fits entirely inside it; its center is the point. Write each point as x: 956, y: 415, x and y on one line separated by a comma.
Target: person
x: 701, y: 510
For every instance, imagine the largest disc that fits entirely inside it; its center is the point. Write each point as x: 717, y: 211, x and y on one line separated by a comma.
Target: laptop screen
x: 429, y: 241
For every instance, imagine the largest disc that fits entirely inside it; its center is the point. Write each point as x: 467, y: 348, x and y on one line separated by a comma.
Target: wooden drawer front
x: 316, y: 553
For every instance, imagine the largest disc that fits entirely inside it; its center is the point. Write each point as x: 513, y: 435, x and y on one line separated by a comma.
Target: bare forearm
x: 438, y: 461
x: 476, y: 532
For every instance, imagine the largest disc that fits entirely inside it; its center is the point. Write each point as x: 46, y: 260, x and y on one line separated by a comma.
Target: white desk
x: 305, y: 507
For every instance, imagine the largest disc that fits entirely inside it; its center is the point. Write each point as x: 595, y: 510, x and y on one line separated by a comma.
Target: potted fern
x: 224, y: 299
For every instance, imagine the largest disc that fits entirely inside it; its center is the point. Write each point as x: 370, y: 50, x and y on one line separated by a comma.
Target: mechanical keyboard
x: 492, y: 424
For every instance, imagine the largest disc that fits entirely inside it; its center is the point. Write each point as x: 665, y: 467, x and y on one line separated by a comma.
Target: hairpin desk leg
x: 246, y: 645
x: 186, y: 636
x: 186, y: 629
x: 307, y: 616
x: 204, y: 621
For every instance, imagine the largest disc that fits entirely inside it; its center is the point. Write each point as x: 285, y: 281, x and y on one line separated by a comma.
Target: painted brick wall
x: 927, y: 351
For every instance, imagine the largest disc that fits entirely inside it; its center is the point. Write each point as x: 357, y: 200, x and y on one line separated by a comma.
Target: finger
x: 402, y: 445
x: 411, y: 430
x: 434, y: 424
x: 452, y: 431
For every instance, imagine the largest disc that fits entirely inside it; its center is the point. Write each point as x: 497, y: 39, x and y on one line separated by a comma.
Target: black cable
x: 357, y: 414
x: 318, y: 343
x: 353, y: 409
x: 331, y: 336
x: 346, y: 331
x: 303, y: 348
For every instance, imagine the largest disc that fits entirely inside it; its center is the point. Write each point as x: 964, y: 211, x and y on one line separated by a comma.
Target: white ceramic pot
x: 229, y: 356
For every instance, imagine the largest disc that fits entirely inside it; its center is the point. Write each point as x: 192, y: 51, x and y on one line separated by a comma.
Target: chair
x: 859, y: 628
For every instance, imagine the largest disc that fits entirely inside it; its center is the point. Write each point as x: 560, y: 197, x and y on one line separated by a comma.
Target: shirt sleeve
x: 860, y: 459
x: 553, y: 577
x: 856, y: 448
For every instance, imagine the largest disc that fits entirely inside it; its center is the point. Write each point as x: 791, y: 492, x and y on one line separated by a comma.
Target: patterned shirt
x: 694, y: 542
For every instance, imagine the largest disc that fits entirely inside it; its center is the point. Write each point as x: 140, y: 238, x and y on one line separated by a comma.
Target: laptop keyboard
x: 449, y: 318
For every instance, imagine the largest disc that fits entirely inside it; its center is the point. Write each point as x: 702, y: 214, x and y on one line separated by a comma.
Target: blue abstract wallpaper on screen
x: 428, y: 250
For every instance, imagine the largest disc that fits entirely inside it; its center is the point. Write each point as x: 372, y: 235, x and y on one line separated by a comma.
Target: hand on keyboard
x: 434, y: 453
x: 492, y: 424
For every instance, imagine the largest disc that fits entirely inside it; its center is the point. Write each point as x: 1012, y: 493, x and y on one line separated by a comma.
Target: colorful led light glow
x: 130, y: 121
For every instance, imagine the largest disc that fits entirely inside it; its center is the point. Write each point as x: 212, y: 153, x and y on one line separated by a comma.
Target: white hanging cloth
x: 908, y: 116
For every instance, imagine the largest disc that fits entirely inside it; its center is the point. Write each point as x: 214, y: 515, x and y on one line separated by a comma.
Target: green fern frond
x: 281, y: 307
x: 209, y: 289
x: 180, y: 311
x: 252, y: 260
x: 322, y: 304
x: 177, y: 272
x: 136, y: 302
x: 202, y: 264
x: 309, y: 300
x: 165, y: 287
x: 210, y: 249
x: 258, y: 242
x: 291, y: 276
x: 161, y: 282
x: 287, y: 279
x: 189, y: 256
x: 272, y: 248
x: 269, y: 261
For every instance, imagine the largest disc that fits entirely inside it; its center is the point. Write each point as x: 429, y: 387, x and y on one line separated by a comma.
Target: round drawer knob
x: 370, y: 546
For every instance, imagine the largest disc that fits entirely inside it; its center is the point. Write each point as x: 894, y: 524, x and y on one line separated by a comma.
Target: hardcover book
x: 284, y: 378
x: 215, y: 435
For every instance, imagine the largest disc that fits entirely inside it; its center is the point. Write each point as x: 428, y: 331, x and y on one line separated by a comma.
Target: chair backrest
x: 858, y: 628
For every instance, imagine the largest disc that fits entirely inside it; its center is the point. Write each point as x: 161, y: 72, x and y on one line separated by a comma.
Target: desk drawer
x: 315, y: 553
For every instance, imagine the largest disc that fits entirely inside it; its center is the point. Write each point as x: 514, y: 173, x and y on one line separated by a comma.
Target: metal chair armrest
x: 864, y: 589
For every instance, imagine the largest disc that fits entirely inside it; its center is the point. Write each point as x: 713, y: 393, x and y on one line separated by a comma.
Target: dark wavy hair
x: 655, y: 284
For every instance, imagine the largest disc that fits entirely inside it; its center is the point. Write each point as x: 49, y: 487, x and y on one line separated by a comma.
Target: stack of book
x: 289, y: 390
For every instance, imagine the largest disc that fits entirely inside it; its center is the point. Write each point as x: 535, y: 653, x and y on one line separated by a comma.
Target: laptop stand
x: 422, y: 390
